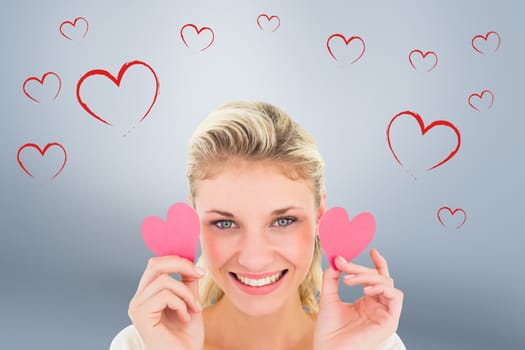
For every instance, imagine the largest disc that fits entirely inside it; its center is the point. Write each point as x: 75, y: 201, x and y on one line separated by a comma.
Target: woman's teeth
x: 260, y: 282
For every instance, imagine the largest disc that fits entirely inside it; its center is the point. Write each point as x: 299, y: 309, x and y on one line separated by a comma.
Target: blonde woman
x: 256, y: 180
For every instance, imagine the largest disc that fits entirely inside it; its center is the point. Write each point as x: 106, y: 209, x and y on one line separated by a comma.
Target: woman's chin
x: 257, y: 308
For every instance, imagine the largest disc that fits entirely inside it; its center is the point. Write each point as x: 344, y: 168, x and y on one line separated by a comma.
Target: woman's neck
x: 289, y: 327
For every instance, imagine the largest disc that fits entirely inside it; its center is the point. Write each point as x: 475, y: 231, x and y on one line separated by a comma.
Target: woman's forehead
x: 263, y: 184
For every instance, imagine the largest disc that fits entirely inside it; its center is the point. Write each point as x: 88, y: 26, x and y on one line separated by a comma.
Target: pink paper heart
x: 178, y: 236
x: 340, y: 236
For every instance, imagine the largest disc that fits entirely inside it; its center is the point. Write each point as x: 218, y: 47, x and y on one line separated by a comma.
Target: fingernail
x: 349, y: 276
x: 342, y: 259
x: 199, y: 270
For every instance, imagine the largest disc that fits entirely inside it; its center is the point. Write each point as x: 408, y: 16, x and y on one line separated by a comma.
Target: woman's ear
x: 190, y: 201
x: 322, y: 207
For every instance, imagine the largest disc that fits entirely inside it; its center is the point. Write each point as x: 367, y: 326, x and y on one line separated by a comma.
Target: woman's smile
x: 259, y: 286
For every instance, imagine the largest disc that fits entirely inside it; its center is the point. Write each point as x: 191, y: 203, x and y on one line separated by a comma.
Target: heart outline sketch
x: 198, y: 31
x: 74, y: 24
x: 347, y: 42
x: 268, y: 19
x: 480, y: 97
x: 452, y: 212
x: 117, y: 81
x: 424, y: 56
x: 42, y: 153
x: 485, y: 38
x: 41, y: 82
x: 424, y: 129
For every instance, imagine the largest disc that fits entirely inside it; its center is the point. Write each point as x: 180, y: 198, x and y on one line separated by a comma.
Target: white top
x: 129, y: 339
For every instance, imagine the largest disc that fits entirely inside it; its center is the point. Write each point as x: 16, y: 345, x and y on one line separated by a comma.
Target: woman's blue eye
x: 228, y: 224
x: 284, y: 221
x: 223, y: 224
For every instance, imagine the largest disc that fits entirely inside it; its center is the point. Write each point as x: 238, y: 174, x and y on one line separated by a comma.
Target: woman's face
x: 258, y: 232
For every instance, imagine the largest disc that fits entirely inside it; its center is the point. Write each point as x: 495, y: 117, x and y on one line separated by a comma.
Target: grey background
x: 71, y: 252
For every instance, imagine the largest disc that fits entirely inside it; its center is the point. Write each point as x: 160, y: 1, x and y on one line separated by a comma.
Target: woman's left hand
x: 365, y: 323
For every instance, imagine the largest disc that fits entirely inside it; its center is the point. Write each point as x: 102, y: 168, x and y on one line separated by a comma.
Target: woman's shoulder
x: 393, y: 343
x: 127, y: 339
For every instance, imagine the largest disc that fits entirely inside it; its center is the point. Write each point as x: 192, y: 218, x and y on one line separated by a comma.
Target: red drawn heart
x: 424, y: 57
x: 41, y: 82
x: 424, y: 129
x: 198, y: 31
x: 347, y: 42
x: 117, y: 82
x: 452, y: 212
x: 347, y: 238
x: 268, y: 20
x: 484, y: 38
x: 179, y: 235
x: 479, y: 97
x: 42, y: 153
x: 73, y: 25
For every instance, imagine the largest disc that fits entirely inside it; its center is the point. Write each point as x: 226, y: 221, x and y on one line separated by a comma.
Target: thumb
x: 192, y: 281
x: 193, y: 284
x: 330, y: 287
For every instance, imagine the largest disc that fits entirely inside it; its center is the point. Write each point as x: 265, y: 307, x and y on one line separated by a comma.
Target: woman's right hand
x: 166, y: 312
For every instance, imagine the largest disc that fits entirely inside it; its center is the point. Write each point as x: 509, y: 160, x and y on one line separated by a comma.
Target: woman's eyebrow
x: 275, y: 212
x: 220, y: 212
x: 284, y: 210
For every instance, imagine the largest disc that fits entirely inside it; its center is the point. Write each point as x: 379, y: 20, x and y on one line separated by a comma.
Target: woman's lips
x: 257, y: 276
x: 253, y: 286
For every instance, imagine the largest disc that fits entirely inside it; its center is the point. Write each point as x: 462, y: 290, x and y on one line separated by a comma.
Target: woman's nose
x: 256, y: 254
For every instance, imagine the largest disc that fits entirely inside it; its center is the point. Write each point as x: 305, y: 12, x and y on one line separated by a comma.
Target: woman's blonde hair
x: 255, y: 130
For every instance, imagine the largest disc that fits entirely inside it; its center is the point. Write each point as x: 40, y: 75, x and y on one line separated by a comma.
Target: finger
x: 167, y: 265
x: 329, y: 289
x: 392, y: 296
x: 368, y: 279
x: 192, y: 284
x: 379, y: 262
x: 156, y: 306
x: 167, y: 282
x: 350, y: 267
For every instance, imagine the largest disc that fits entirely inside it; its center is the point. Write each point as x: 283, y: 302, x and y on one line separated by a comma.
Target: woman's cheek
x: 299, y: 247
x: 214, y: 248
